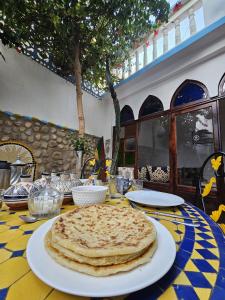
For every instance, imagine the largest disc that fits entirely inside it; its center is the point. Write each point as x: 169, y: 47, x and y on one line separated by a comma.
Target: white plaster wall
x: 209, y: 73
x: 202, y: 64
x: 213, y: 10
x: 27, y: 88
x: 203, y: 61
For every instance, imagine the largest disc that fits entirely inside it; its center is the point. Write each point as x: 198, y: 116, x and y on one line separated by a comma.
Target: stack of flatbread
x: 101, y: 240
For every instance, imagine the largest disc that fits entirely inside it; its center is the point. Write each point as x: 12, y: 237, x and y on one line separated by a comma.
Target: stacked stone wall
x: 49, y: 143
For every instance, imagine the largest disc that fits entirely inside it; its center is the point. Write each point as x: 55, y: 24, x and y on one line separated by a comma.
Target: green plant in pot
x: 81, y: 146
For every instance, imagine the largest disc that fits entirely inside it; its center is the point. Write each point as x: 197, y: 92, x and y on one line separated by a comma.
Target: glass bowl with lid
x: 45, y: 203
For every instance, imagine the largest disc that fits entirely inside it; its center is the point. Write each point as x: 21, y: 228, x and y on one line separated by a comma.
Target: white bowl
x: 89, y: 194
x: 84, y: 181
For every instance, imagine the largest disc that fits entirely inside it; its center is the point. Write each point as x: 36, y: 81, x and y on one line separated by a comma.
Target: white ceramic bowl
x: 84, y: 181
x: 89, y: 194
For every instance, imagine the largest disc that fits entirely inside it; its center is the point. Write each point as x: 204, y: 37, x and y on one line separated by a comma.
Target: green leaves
x: 102, y: 28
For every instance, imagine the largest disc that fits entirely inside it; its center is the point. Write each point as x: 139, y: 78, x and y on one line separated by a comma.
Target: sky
x: 172, y: 2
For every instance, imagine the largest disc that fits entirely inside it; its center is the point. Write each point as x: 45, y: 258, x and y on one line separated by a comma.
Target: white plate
x: 72, y: 282
x: 154, y: 198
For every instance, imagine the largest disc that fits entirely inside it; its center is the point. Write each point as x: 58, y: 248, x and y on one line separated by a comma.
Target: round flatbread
x: 103, y: 230
x: 94, y: 261
x: 99, y: 270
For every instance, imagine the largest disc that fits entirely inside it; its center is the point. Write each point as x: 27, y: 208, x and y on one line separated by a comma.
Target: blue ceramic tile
x: 197, y: 279
x: 206, y: 254
x: 206, y: 244
x: 205, y: 236
x: 195, y: 214
x: 14, y: 227
x: 167, y: 279
x: 221, y: 279
x: 17, y: 253
x: 203, y: 266
x: 203, y: 229
x: 217, y: 294
x: 190, y: 234
x: 1, y: 223
x: 3, y: 294
x: 2, y: 245
x: 28, y: 232
x: 187, y: 245
x: 182, y: 258
x: 203, y: 224
x: 185, y: 292
x: 178, y: 231
x: 222, y: 260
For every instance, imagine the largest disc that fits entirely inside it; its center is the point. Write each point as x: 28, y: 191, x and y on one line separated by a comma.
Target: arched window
x: 126, y: 114
x: 151, y: 105
x: 222, y: 86
x: 189, y: 91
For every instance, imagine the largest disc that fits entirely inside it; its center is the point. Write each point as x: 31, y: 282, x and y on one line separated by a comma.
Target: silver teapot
x: 19, y: 168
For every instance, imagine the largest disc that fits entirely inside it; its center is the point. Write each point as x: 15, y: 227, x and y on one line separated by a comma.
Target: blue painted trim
x: 8, y: 113
x: 199, y: 35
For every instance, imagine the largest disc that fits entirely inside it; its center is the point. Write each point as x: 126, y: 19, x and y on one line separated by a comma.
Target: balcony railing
x: 183, y: 23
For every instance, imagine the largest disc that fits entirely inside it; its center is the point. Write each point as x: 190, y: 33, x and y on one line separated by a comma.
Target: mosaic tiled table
x: 198, y: 271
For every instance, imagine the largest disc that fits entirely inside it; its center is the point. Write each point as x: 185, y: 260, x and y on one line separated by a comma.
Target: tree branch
x: 117, y: 116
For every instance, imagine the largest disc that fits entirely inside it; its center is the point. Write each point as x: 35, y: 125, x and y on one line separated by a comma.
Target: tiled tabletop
x: 198, y: 271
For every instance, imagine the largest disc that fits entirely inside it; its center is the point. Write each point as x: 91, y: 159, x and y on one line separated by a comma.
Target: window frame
x: 141, y: 117
x: 127, y: 107
x: 221, y: 87
x: 188, y: 81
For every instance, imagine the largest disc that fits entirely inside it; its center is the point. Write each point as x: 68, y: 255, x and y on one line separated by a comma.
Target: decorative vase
x: 79, y: 161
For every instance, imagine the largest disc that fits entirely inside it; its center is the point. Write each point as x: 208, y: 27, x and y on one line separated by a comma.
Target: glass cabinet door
x: 195, y: 142
x: 153, y: 142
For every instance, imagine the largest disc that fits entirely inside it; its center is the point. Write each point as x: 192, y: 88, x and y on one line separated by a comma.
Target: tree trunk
x: 117, y: 116
x: 79, y: 93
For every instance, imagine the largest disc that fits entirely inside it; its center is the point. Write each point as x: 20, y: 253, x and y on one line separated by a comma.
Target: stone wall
x: 49, y: 143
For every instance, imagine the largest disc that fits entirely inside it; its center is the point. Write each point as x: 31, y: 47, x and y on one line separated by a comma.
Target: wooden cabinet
x: 180, y: 138
x: 128, y: 146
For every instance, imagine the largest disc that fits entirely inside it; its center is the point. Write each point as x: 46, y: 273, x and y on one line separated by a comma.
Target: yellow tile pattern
x: 21, y: 283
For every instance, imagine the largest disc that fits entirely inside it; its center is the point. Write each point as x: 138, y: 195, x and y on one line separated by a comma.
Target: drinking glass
x: 137, y: 184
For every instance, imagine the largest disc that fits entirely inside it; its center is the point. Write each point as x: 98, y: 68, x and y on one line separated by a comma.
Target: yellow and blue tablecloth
x: 198, y: 271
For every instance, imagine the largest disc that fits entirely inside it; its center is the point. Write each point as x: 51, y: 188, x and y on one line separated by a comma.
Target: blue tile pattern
x: 199, y: 263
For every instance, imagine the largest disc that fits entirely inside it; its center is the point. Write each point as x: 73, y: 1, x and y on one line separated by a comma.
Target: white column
x: 192, y: 22
x: 123, y: 71
x: 136, y: 60
x: 165, y: 40
x: 129, y: 66
x: 213, y: 10
x: 145, y: 55
x: 177, y: 32
x: 154, y: 48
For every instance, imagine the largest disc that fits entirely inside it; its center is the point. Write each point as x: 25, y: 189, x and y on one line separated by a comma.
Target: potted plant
x: 81, y: 146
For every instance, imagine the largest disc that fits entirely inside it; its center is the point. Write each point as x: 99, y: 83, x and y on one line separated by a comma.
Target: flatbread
x: 94, y: 261
x: 99, y: 270
x: 103, y: 230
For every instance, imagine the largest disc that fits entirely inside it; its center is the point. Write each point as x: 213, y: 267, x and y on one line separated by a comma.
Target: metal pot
x: 5, y: 174
x: 19, y: 168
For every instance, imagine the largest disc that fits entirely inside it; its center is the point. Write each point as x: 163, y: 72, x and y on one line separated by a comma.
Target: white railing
x: 182, y: 24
